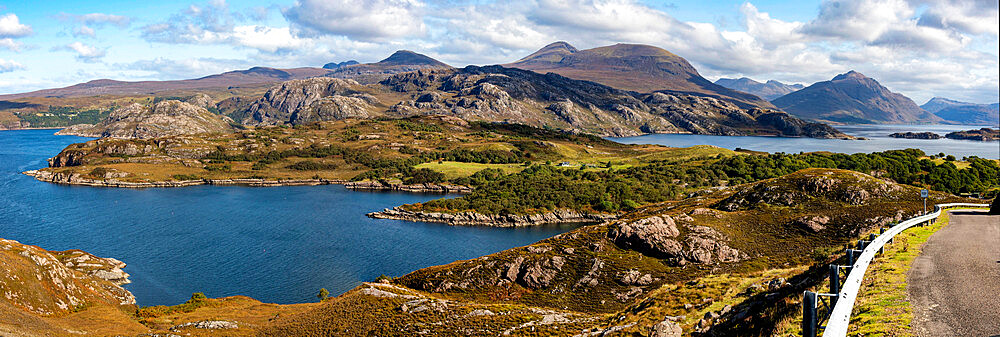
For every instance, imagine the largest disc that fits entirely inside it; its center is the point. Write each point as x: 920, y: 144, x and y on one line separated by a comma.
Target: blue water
x: 878, y: 140
x: 276, y: 244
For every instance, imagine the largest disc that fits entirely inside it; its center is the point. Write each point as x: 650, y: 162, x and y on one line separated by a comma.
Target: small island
x: 984, y: 134
x: 916, y: 135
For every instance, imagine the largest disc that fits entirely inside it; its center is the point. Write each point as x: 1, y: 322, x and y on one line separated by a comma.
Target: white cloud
x: 267, y: 39
x: 171, y: 69
x: 362, y: 20
x: 10, y: 44
x: 84, y: 31
x: 7, y: 66
x: 11, y: 26
x: 84, y: 52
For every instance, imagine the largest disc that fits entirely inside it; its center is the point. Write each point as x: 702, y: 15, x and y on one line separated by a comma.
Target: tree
x: 323, y: 294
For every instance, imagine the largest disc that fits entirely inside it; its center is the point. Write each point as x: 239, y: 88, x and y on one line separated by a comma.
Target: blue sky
x: 921, y: 48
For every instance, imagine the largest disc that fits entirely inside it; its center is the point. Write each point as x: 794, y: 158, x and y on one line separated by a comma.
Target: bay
x: 275, y: 244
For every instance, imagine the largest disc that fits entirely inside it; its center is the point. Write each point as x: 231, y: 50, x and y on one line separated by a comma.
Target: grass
x: 452, y: 169
x: 883, y: 307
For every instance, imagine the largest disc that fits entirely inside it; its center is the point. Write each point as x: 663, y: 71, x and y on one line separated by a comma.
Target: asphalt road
x: 954, y: 284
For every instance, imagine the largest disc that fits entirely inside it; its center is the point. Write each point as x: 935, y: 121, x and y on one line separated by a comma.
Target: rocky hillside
x: 310, y: 100
x: 501, y: 94
x: 166, y: 118
x: 855, y: 99
x: 770, y: 90
x: 964, y: 112
x: 634, y: 67
x: 711, y: 264
x: 40, y: 288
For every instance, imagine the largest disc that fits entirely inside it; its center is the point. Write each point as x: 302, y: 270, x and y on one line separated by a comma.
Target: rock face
x: 167, y: 118
x: 49, y: 283
x: 769, y: 91
x: 501, y: 94
x: 492, y: 220
x: 915, y: 135
x: 309, y: 100
x: 853, y: 98
x: 984, y: 134
x: 635, y: 67
x: 964, y: 112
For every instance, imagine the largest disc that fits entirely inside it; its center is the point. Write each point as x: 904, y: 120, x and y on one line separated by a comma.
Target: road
x: 954, y: 285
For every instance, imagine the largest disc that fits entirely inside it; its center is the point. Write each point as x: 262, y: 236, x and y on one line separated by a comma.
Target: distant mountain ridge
x: 853, y: 98
x: 964, y: 112
x: 252, y: 76
x: 399, y: 62
x: 770, y: 90
x: 335, y: 65
x: 634, y: 67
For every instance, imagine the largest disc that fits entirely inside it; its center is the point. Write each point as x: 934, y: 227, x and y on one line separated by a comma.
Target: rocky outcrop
x: 167, y: 118
x: 49, y: 283
x: 309, y: 100
x: 658, y: 236
x: 915, y: 135
x: 493, y: 220
x: 984, y: 135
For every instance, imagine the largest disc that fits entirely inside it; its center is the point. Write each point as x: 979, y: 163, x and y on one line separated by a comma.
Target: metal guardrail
x: 843, y: 296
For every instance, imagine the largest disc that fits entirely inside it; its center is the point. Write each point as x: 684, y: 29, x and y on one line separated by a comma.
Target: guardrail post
x: 834, y: 284
x: 809, y: 314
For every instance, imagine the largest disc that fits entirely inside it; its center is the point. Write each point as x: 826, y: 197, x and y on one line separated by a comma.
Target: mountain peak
x: 550, y: 54
x: 850, y: 75
x: 406, y: 57
x: 853, y: 98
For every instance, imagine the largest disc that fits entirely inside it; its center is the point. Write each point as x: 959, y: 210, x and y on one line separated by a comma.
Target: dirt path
x: 954, y: 284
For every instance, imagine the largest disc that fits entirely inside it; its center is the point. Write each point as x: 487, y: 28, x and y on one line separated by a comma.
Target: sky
x: 920, y: 48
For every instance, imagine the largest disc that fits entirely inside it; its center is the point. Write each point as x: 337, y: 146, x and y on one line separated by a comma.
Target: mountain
x: 964, y: 112
x: 252, y: 76
x: 853, y: 98
x: 769, y: 91
x: 166, y: 118
x: 499, y: 94
x: 333, y: 65
x: 633, y: 67
x: 399, y: 62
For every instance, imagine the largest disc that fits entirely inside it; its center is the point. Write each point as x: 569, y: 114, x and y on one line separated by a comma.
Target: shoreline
x: 492, y: 220
x: 78, y: 180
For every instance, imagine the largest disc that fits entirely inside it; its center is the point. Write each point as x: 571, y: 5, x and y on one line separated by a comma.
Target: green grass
x: 883, y: 308
x: 452, y: 169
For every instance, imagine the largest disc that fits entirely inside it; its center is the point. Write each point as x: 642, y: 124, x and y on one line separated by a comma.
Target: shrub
x: 323, y: 294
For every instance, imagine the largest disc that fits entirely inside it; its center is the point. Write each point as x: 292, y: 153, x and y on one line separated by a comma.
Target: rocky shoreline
x: 491, y: 220
x: 79, y: 179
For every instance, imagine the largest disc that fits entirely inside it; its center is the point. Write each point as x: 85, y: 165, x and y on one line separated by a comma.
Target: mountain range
x: 964, y: 112
x: 770, y: 90
x: 853, y: 98
x: 640, y: 70
x: 635, y: 67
